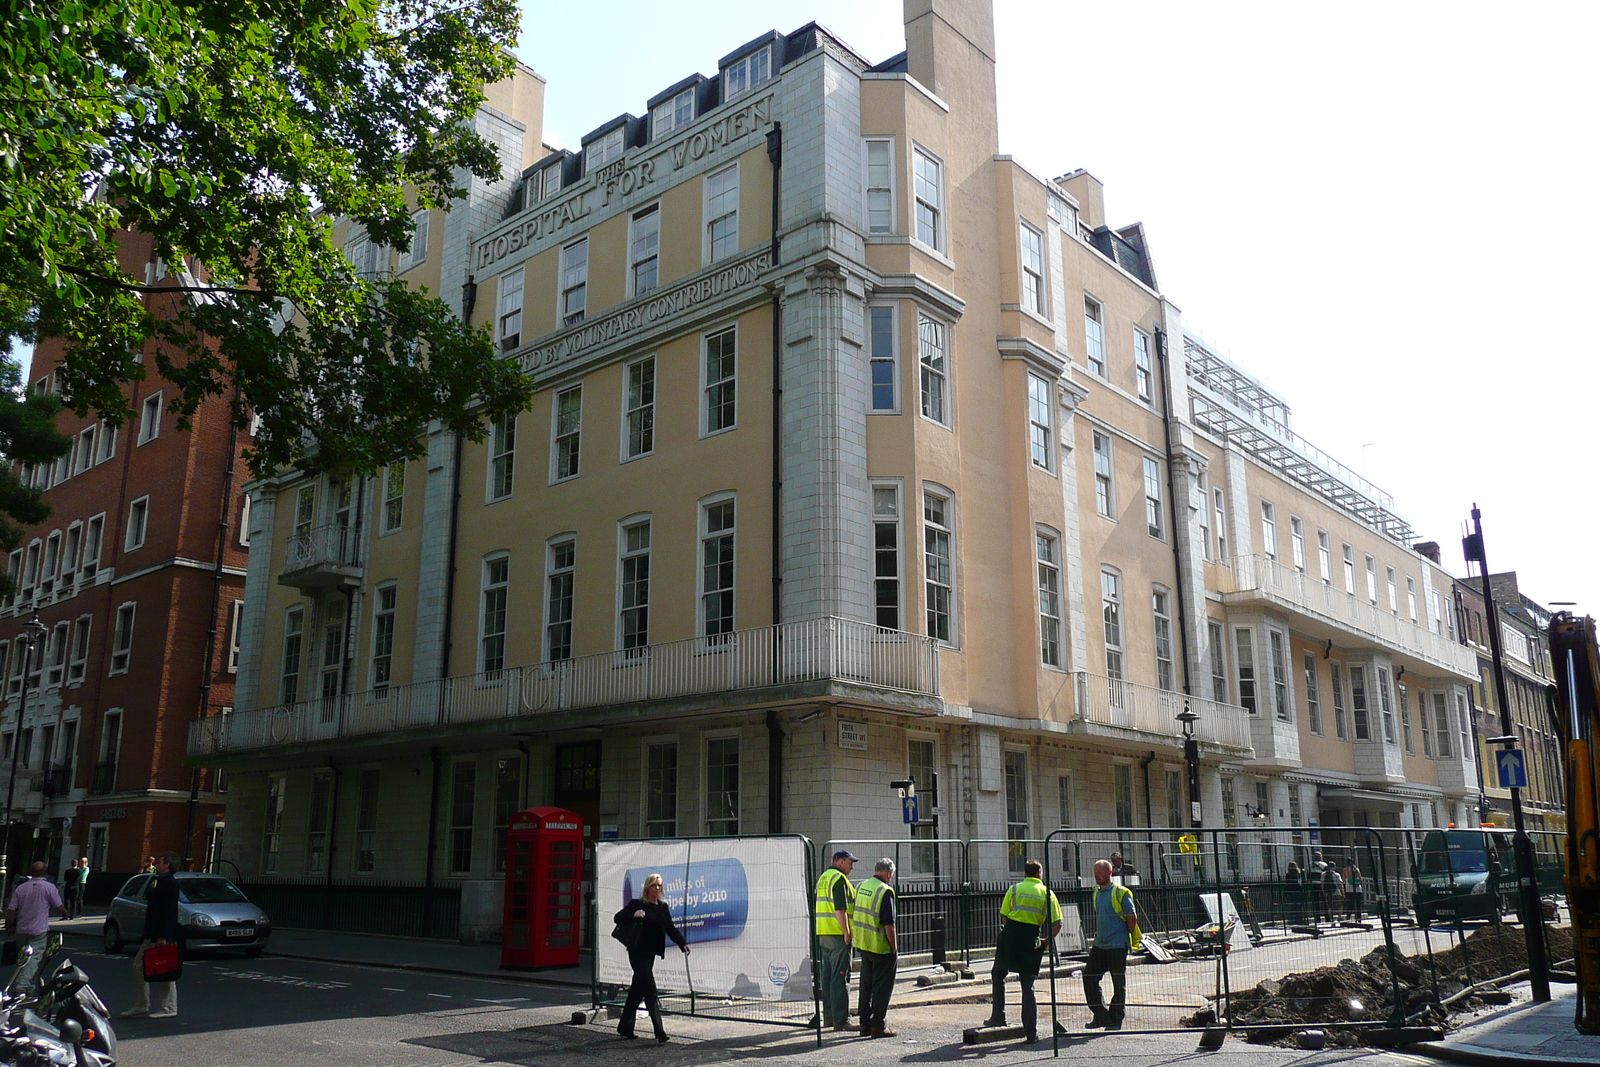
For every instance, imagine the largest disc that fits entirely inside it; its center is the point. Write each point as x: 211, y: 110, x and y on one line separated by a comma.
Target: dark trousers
x: 643, y: 989
x: 1030, y: 1006
x: 834, y: 971
x: 1352, y: 904
x: 877, y: 982
x: 1102, y: 960
x: 72, y: 899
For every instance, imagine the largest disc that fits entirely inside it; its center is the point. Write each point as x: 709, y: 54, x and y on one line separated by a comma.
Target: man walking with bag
x: 28, y: 921
x: 835, y: 900
x: 1116, y: 931
x: 872, y: 925
x: 160, y: 928
x: 1028, y: 909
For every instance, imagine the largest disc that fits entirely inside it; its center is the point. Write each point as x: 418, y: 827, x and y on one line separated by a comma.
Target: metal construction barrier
x: 744, y: 904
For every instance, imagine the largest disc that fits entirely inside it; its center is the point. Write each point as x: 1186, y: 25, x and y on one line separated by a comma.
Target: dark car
x: 213, y: 912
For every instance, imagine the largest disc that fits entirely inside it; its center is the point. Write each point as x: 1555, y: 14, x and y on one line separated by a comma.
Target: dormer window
x: 670, y: 114
x: 746, y: 73
x: 543, y: 184
x: 603, y: 150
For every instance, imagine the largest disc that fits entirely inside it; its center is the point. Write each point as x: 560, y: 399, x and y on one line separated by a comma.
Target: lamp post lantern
x: 1191, y: 758
x: 29, y: 638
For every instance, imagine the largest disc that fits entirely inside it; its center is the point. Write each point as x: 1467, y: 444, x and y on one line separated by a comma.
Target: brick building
x: 135, y: 583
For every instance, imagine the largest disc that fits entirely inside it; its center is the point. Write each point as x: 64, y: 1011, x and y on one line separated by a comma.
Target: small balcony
x: 789, y: 661
x: 105, y: 778
x: 1325, y: 611
x: 1148, y: 715
x: 322, y: 558
x: 55, y: 782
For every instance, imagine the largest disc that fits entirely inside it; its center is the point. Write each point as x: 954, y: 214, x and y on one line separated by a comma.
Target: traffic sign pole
x: 1528, y: 909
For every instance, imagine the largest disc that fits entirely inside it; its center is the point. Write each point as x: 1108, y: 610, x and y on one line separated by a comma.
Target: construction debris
x: 1357, y: 991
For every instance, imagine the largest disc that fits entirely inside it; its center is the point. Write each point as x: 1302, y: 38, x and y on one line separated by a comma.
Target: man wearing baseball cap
x: 836, y: 897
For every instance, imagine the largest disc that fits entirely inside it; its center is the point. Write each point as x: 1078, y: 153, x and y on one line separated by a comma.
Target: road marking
x: 274, y: 979
x: 500, y: 1000
x: 441, y: 996
x: 392, y: 989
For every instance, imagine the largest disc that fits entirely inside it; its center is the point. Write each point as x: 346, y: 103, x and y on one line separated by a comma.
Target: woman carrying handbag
x: 644, y: 924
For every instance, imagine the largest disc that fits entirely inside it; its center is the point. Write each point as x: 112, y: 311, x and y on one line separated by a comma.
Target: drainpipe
x: 208, y: 664
x: 775, y: 783
x: 1149, y: 812
x: 450, y: 583
x: 333, y: 828
x: 1191, y: 748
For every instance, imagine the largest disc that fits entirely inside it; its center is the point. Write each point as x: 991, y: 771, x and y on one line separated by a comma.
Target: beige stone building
x: 858, y: 451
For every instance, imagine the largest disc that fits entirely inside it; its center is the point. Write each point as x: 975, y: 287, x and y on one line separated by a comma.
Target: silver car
x: 212, y: 912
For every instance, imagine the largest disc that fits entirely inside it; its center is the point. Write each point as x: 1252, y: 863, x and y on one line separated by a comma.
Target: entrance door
x: 577, y: 788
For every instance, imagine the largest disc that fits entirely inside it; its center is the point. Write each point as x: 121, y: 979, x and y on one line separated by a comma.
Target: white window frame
x: 717, y: 192
x: 563, y: 435
x: 706, y: 540
x: 1035, y: 269
x: 1297, y: 543
x: 1154, y: 499
x: 927, y: 186
x: 665, y: 117
x: 558, y: 569
x: 1372, y: 580
x: 1161, y: 620
x: 1279, y: 650
x: 1112, y: 631
x: 380, y: 667
x: 78, y: 663
x: 1047, y: 564
x: 738, y: 793
x: 1094, y: 335
x: 880, y: 199
x: 883, y: 350
x: 638, y: 408
x: 392, y: 505
x: 1105, y: 481
x: 138, y: 523
x: 493, y: 586
x: 1411, y: 598
x: 940, y: 532
x: 108, y: 443
x: 928, y: 372
x: 94, y: 535
x: 888, y: 516
x: 150, y: 410
x: 509, y: 304
x: 1347, y: 554
x: 1269, y: 530
x: 603, y: 149
x: 1325, y: 556
x: 1313, y: 692
x: 1143, y: 374
x: 1220, y: 513
x: 1041, y: 422
x: 1247, y: 679
x: 417, y: 255
x: 501, y: 458
x: 84, y: 453
x: 572, y: 290
x: 122, y: 637
x: 749, y: 72
x: 729, y: 382
x: 624, y: 554
x: 235, y: 629
x: 294, y: 626
x: 640, y: 228
x: 1392, y: 584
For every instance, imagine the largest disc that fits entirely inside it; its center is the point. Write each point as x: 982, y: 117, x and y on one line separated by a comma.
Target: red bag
x: 162, y: 963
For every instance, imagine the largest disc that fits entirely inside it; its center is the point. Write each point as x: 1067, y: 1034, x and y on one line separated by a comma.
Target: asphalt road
x: 270, y: 1012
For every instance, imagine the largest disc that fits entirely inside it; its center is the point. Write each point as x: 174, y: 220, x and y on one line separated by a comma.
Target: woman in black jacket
x: 652, y: 921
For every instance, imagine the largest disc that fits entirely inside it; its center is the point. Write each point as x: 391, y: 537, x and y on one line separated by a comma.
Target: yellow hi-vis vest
x: 1029, y: 901
x: 1118, y: 895
x: 827, y: 920
x: 869, y: 935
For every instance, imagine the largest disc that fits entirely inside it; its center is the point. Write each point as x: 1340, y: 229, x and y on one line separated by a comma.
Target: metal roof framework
x: 1226, y: 401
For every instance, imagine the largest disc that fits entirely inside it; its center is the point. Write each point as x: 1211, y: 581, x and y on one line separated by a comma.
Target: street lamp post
x: 1191, y: 758
x: 29, y: 638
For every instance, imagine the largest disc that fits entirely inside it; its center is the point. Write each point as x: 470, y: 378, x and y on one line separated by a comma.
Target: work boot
x: 1100, y: 1020
x: 1114, y: 1021
x: 883, y: 1033
x: 1031, y: 1037
x: 995, y: 1020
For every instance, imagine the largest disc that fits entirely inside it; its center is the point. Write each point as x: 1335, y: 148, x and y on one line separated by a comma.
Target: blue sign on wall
x: 908, y: 810
x: 1513, y: 771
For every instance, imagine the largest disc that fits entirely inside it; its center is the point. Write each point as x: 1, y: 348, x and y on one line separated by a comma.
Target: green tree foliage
x: 233, y: 133
x: 28, y: 434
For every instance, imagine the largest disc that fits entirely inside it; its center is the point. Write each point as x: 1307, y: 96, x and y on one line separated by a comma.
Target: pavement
x: 1524, y: 1034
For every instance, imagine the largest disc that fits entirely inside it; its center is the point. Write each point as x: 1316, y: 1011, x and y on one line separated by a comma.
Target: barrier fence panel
x: 744, y: 904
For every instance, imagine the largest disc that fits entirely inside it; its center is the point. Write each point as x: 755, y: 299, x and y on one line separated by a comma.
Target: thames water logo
x: 777, y: 973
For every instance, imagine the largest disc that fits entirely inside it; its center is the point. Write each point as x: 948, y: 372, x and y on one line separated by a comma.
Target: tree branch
x: 135, y: 287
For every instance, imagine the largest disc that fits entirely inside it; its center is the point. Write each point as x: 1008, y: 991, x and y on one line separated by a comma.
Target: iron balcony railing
x: 332, y: 545
x: 1111, y: 702
x: 1263, y: 575
x: 825, y: 649
x: 105, y: 778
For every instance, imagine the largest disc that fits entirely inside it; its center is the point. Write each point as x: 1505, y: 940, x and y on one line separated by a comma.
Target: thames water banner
x: 742, y: 904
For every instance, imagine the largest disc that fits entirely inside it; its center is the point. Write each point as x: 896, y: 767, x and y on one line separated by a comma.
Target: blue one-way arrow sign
x: 1513, y: 771
x: 908, y: 810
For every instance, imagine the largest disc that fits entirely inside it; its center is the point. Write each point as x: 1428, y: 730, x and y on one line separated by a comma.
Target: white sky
x: 1378, y: 209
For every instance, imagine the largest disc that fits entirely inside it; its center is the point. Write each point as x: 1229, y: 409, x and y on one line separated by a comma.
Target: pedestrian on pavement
x: 1332, y: 892
x: 1122, y: 870
x: 28, y: 921
x: 1116, y: 931
x: 1024, y: 910
x: 653, y: 919
x: 72, y: 886
x: 150, y: 865
x: 1354, y: 891
x: 1294, y: 893
x: 160, y: 928
x: 872, y: 924
x: 1315, y: 890
x: 836, y: 898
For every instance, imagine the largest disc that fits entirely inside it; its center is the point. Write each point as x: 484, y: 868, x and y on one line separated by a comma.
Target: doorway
x: 577, y: 788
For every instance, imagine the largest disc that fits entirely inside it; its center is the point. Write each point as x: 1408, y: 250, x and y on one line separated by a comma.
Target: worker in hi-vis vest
x: 1116, y: 931
x: 1029, y: 909
x: 836, y: 898
x: 872, y: 929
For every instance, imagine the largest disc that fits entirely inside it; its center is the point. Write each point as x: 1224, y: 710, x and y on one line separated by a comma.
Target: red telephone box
x: 544, y: 871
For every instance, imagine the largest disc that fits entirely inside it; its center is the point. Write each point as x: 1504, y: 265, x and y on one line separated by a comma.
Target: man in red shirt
x: 28, y: 921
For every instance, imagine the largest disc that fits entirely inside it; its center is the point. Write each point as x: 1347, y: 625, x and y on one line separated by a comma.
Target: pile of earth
x: 1364, y: 990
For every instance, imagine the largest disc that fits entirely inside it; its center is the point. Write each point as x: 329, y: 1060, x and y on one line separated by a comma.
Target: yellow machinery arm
x: 1577, y: 668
